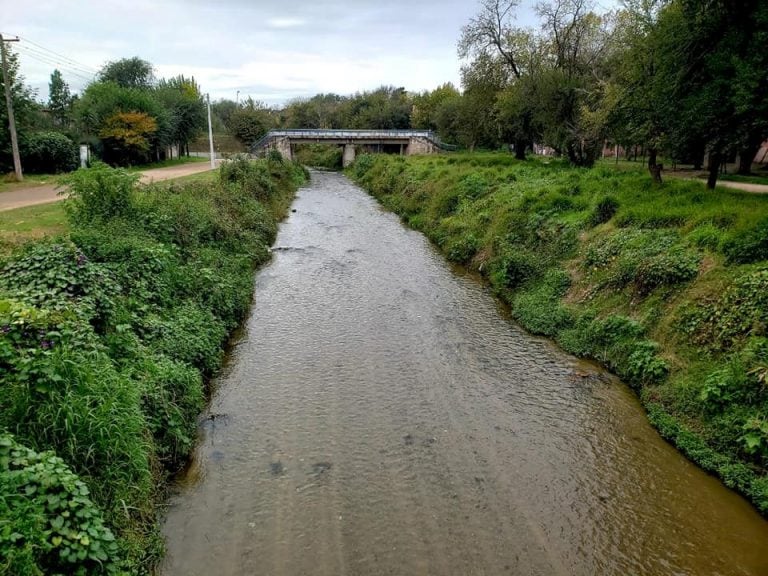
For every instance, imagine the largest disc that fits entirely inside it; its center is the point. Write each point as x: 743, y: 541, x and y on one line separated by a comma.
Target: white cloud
x: 254, y: 47
x: 285, y: 22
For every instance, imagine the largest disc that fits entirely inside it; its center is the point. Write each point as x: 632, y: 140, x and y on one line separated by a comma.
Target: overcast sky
x: 271, y: 50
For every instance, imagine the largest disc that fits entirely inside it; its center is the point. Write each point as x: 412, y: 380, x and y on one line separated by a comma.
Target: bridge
x: 406, y: 142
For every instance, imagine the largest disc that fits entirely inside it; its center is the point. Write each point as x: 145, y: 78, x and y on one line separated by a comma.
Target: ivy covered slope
x: 665, y: 285
x: 107, y: 337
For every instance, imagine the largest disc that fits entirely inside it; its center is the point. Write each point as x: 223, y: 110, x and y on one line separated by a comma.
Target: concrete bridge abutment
x: 349, y: 155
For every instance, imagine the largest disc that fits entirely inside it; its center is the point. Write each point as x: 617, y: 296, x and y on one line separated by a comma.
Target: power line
x: 86, y: 76
x: 60, y: 57
x: 52, y: 59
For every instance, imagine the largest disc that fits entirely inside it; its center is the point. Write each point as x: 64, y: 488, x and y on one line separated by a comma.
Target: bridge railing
x: 329, y: 134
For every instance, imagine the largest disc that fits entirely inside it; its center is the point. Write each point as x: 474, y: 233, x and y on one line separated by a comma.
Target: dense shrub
x: 749, y: 245
x: 604, y: 210
x: 49, y: 523
x: 100, y: 193
x: 106, y: 340
x: 49, y: 153
x: 666, y: 269
x: 741, y: 311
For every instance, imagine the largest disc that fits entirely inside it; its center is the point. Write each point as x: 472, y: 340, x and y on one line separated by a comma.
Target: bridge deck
x: 348, y: 136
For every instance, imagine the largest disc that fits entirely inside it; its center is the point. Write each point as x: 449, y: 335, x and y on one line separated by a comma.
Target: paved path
x: 50, y: 193
x: 743, y: 186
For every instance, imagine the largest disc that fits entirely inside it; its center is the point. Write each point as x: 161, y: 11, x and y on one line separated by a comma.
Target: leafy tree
x: 426, y: 105
x: 716, y: 66
x: 127, y: 136
x: 59, y: 100
x: 251, y: 121
x: 129, y: 73
x: 183, y: 103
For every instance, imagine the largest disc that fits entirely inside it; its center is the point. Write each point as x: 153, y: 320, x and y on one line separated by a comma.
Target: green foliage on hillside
x: 107, y: 337
x: 665, y: 285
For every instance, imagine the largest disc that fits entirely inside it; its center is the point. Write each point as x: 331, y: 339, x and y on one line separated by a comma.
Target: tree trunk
x: 746, y: 155
x: 520, y: 146
x: 714, y: 168
x: 653, y: 167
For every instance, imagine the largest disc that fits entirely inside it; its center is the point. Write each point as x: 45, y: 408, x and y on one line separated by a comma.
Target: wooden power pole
x: 9, y: 102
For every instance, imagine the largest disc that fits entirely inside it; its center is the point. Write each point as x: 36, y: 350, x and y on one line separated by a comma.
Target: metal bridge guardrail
x: 322, y: 134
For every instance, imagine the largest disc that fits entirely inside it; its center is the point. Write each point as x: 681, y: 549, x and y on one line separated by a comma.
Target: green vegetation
x: 665, y: 285
x: 108, y: 336
x: 126, y: 116
x: 753, y: 179
x: 31, y: 223
x: 320, y: 156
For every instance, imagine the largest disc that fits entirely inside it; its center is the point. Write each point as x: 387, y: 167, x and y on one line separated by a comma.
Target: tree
x: 59, y: 100
x: 640, y: 100
x: 491, y: 31
x: 426, y: 104
x: 251, y: 121
x: 578, y: 41
x: 715, y: 63
x: 128, y: 136
x: 497, y: 46
x: 185, y: 108
x: 129, y: 73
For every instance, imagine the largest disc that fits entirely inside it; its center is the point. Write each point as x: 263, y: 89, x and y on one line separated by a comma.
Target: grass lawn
x: 8, y: 184
x: 752, y: 179
x: 29, y: 223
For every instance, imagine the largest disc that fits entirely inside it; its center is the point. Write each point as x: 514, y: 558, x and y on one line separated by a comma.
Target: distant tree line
x: 680, y: 78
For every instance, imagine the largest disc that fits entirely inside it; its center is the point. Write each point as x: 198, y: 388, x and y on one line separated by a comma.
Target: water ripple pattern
x: 381, y: 415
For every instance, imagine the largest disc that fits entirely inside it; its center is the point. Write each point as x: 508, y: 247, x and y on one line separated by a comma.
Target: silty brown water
x: 380, y: 415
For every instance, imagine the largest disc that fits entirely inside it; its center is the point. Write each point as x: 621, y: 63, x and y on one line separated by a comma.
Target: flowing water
x: 381, y: 415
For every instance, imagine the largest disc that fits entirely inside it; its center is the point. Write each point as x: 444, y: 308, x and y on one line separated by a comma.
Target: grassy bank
x: 107, y: 337
x: 666, y: 286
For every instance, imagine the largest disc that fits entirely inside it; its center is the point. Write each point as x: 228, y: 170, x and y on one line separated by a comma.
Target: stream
x: 380, y: 414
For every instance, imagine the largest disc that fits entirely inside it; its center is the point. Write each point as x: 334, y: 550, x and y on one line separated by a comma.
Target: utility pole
x: 9, y: 103
x: 210, y: 132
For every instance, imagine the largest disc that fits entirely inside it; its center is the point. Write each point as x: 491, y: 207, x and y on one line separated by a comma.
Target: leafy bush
x: 49, y: 153
x: 363, y: 164
x: 57, y: 275
x: 748, y: 246
x: 252, y: 177
x: 462, y: 249
x: 706, y: 235
x: 512, y: 269
x: 50, y: 525
x: 604, y: 210
x: 666, y: 269
x: 539, y: 308
x: 100, y: 193
x: 105, y: 340
x: 472, y: 186
x: 173, y: 396
x: 320, y: 156
x: 190, y: 334
x: 740, y: 312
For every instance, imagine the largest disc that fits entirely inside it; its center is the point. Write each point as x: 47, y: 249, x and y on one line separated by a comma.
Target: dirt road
x: 50, y: 193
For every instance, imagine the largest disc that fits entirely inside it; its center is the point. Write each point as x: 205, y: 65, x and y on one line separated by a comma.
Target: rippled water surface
x: 380, y: 415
